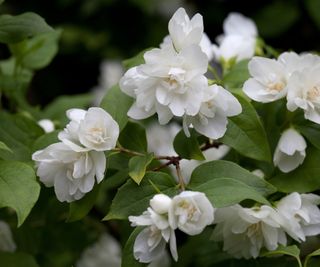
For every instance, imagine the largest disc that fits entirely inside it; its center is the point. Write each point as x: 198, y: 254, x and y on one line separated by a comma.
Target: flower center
x: 96, y: 135
x: 254, y: 229
x: 314, y: 93
x: 276, y: 86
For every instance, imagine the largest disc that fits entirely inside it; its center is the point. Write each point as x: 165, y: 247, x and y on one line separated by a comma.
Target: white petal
x: 76, y: 114
x: 238, y: 24
x: 139, y: 113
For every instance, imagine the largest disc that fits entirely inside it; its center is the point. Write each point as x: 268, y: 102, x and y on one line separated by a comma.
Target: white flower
x: 245, y: 231
x: 6, y: 241
x: 238, y: 40
x: 94, y: 129
x: 191, y: 212
x: 269, y: 82
x: 302, y: 215
x: 168, y: 84
x: 183, y: 31
x: 304, y: 92
x: 290, y: 151
x: 151, y: 241
x: 47, y: 125
x: 72, y: 173
x: 105, y: 252
x: 211, y: 120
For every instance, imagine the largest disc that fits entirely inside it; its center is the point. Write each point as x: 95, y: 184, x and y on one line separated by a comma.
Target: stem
x: 128, y: 151
x: 215, y: 73
x: 179, y: 174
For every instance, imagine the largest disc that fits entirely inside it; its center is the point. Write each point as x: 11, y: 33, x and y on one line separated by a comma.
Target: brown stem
x: 179, y: 174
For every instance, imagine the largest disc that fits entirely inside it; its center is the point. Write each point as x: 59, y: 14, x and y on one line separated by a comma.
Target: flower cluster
x: 189, y: 212
x: 172, y: 81
x: 246, y: 230
x: 294, y: 77
x: 73, y: 165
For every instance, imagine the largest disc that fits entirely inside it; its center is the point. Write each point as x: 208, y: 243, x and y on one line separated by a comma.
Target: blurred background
x: 106, y: 30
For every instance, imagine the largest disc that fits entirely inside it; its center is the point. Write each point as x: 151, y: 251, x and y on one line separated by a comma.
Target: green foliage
x: 17, y: 28
x: 133, y: 199
x: 246, y: 134
x: 292, y: 251
x: 312, y: 7
x: 225, y: 183
x: 188, y: 147
x: 136, y: 60
x: 36, y: 52
x: 133, y: 137
x: 309, y: 256
x: 237, y: 75
x: 18, y: 188
x: 3, y: 146
x: 17, y: 259
x: 117, y: 105
x: 138, y: 166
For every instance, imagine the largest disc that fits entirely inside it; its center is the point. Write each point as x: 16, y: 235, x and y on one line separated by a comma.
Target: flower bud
x: 160, y: 203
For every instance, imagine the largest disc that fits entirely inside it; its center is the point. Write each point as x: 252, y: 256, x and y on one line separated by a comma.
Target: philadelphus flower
x: 6, y: 241
x: 245, y: 231
x: 190, y: 212
x: 168, y: 84
x: 211, y: 120
x: 105, y: 252
x: 152, y: 240
x: 239, y: 38
x: 302, y: 215
x: 73, y: 165
x: 290, y: 151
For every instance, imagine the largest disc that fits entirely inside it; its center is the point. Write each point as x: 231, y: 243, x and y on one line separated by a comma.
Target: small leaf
x: 138, y: 166
x: 188, y: 147
x: 36, y: 52
x: 312, y: 133
x: 134, y: 137
x: 246, y: 134
x: 17, y: 259
x: 313, y: 254
x: 18, y: 188
x: 237, y: 75
x: 128, y: 259
x: 3, y: 146
x: 80, y: 208
x: 117, y: 105
x: 303, y: 179
x: 281, y: 250
x: 133, y: 199
x: 17, y: 28
x: 221, y: 169
x: 45, y: 140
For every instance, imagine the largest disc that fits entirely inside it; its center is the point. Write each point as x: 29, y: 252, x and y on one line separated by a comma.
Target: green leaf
x: 133, y: 137
x: 303, y: 179
x: 246, y: 134
x: 17, y: 259
x: 313, y: 254
x: 56, y: 110
x: 133, y: 199
x: 188, y: 147
x: 312, y: 133
x: 225, y: 183
x: 45, y: 140
x: 138, y: 166
x: 136, y: 60
x: 80, y: 208
x: 36, y: 52
x: 17, y: 28
x: 292, y: 251
x: 224, y: 192
x: 313, y: 6
x: 237, y: 75
x: 276, y: 18
x: 117, y: 104
x: 18, y: 188
x: 128, y: 259
x: 3, y: 146
x: 18, y: 132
